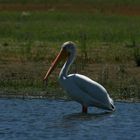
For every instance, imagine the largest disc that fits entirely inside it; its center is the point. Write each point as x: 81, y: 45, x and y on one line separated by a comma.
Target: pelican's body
x: 81, y: 88
x: 86, y: 92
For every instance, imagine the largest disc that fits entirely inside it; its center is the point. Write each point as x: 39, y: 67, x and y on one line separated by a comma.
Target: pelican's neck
x: 66, y: 66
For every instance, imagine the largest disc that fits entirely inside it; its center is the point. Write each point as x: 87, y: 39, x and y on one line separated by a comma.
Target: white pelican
x: 80, y: 88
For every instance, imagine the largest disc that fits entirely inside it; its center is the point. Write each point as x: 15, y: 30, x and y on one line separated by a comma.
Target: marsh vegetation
x: 108, y: 41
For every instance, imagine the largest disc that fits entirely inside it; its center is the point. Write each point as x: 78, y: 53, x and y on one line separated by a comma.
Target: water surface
x: 42, y: 119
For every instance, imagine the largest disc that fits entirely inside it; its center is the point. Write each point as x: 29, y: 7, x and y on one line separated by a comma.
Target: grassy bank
x: 108, y: 50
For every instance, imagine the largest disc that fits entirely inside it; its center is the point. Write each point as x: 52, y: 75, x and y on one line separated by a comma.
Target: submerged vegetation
x: 108, y: 45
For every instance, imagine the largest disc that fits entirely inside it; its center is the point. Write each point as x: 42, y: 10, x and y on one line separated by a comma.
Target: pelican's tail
x: 112, y: 106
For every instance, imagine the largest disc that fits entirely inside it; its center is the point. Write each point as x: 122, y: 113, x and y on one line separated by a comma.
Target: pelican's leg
x: 84, y: 109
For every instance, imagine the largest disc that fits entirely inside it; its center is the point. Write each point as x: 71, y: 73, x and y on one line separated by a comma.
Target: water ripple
x: 58, y: 119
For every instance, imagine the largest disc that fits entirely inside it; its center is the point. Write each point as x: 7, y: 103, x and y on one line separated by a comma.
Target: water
x: 42, y: 119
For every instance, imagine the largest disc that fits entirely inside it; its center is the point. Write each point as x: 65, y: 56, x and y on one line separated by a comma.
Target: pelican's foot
x: 84, y: 109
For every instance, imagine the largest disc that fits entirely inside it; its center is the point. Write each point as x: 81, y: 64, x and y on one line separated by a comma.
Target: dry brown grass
x: 24, y: 77
x: 109, y: 9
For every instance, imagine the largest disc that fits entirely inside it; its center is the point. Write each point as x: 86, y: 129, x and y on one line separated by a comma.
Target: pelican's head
x: 67, y: 49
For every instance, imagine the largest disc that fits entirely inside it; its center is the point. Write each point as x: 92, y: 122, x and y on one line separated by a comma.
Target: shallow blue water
x: 42, y: 119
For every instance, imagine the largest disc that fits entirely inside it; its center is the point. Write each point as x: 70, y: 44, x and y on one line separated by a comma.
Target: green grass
x: 28, y: 37
x: 62, y: 26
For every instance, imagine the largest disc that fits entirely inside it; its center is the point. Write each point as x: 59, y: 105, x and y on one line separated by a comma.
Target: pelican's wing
x: 92, y: 88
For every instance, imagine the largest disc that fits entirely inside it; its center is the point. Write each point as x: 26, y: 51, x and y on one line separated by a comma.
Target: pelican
x: 79, y: 87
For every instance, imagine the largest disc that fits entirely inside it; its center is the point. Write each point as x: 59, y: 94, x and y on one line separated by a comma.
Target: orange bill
x: 62, y: 54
